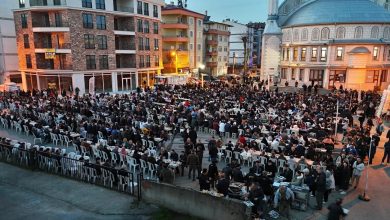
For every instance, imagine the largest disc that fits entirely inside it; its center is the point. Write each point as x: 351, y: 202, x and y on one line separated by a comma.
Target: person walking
x: 358, y: 167
x: 330, y: 184
x: 283, y: 199
x: 193, y: 163
x: 321, y: 187
x: 386, y: 153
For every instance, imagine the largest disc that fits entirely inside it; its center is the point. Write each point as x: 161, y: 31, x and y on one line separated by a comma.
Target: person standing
x: 204, y: 182
x: 283, y: 199
x: 386, y: 153
x: 223, y: 184
x: 213, y: 173
x: 358, y: 167
x: 199, y: 147
x: 336, y: 212
x: 374, y: 144
x: 256, y: 196
x: 193, y: 163
x: 321, y: 187
x: 330, y: 184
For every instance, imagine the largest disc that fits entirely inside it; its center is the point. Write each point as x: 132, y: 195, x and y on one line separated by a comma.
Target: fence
x: 120, y: 180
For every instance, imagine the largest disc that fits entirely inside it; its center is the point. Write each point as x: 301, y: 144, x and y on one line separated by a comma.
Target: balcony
x: 211, y: 64
x: 211, y: 42
x: 126, y: 61
x: 175, y: 25
x: 60, y: 48
x: 212, y: 53
x: 178, y: 38
x: 217, y: 32
x: 124, y: 9
x: 124, y: 26
x: 45, y: 27
x: 58, y: 63
x: 39, y: 3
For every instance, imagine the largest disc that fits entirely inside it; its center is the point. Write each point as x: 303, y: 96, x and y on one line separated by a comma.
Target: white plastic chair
x: 144, y: 166
x: 151, y: 170
x: 132, y: 163
x: 66, y: 140
x: 229, y: 156
x: 237, y: 156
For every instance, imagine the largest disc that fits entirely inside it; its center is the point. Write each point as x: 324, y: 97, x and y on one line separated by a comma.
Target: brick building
x: 62, y: 44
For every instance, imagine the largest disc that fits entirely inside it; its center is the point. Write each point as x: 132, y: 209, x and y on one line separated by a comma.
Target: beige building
x: 182, y: 39
x: 216, y: 47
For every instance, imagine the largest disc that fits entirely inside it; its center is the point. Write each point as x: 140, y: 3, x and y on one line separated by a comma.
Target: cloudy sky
x: 242, y: 10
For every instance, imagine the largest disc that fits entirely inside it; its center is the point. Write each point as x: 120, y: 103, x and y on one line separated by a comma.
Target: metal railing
x: 52, y: 162
x: 125, y: 9
x: 47, y: 3
x: 47, y: 24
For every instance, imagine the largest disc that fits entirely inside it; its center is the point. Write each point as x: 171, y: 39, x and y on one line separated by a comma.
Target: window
x: 325, y: 33
x: 199, y: 23
x: 388, y: 54
x: 220, y: 38
x: 146, y: 9
x: 87, y: 21
x: 303, y: 54
x: 147, y: 44
x: 386, y: 33
x: 293, y: 71
x: 89, y: 41
x: 296, y: 35
x: 219, y: 49
x: 26, y: 41
x: 314, y: 54
x: 191, y: 34
x: 288, y: 36
x: 314, y: 34
x: 22, y: 3
x: 339, y: 53
x: 301, y: 74
x: 375, y: 32
x: 28, y: 61
x: 101, y: 22
x: 225, y: 39
x: 146, y: 27
x: 140, y: 43
x: 191, y: 46
x: 102, y: 42
x: 156, y: 44
x: 375, y: 53
x: 100, y: 4
x: 284, y: 54
x: 141, y: 61
x: 295, y: 54
x: 358, y: 32
x: 91, y: 62
x: 103, y: 62
x: 139, y: 26
x: 156, y: 61
x: 191, y: 21
x: 384, y: 76
x: 155, y: 28
x: 324, y: 51
x: 24, y: 20
x: 139, y: 7
x: 316, y: 75
x: 225, y: 49
x: 305, y: 34
x: 219, y: 59
x: 86, y: 3
x: 147, y: 61
x: 340, y: 33
x: 337, y: 76
x: 283, y: 73
x: 288, y: 54
x: 372, y: 75
x: 199, y: 47
x: 155, y: 11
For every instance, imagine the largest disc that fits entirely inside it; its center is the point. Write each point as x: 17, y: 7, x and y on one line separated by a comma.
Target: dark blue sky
x: 242, y: 10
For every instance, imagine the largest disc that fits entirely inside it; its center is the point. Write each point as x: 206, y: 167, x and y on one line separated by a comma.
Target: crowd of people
x: 277, y: 124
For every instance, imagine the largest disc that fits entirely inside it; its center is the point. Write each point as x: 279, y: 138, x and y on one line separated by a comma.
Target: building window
x: 283, y: 73
x: 156, y: 61
x: 155, y: 11
x: 293, y: 71
x: 191, y: 21
x: 100, y: 4
x: 24, y: 20
x: 325, y: 33
x: 89, y: 41
x: 288, y: 54
x: 296, y: 35
x: 139, y: 7
x: 87, y: 21
x: 147, y: 44
x: 225, y: 49
x: 26, y: 41
x: 284, y: 55
x: 140, y: 43
x: 375, y: 32
x: 103, y: 62
x: 140, y: 26
x: 146, y: 9
x: 155, y: 27
x: 317, y: 76
x: 324, y: 51
x: 340, y: 33
x: 102, y: 42
x: 372, y: 75
x: 28, y: 61
x: 386, y: 33
x: 91, y: 62
x: 303, y: 54
x: 191, y: 34
x: 219, y: 49
x: 375, y: 53
x: 86, y: 3
x: 384, y: 76
x: 146, y: 27
x: 141, y: 61
x: 359, y: 32
x: 388, y: 54
x: 339, y: 53
x: 315, y: 34
x: 314, y: 54
x: 101, y: 22
x: 301, y: 74
x: 305, y: 34
x: 199, y: 22
x: 156, y: 44
x: 220, y: 38
x: 147, y: 61
x: 22, y: 3
x: 191, y: 46
x: 295, y: 54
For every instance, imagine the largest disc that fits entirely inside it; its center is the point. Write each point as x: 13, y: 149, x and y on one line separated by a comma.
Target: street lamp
x: 174, y: 53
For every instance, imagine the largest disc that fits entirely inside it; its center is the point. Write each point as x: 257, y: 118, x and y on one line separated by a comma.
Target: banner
x: 92, y: 86
x: 50, y: 54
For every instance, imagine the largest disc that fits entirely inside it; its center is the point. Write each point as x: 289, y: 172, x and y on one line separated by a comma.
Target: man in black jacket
x: 321, y: 187
x: 204, y: 182
x: 223, y: 184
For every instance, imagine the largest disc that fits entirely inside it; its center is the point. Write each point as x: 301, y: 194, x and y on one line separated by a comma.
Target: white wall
x: 235, y: 43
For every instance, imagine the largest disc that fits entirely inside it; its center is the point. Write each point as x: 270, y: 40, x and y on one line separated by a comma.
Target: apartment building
x: 8, y: 51
x: 216, y: 47
x: 182, y: 39
x: 92, y: 45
